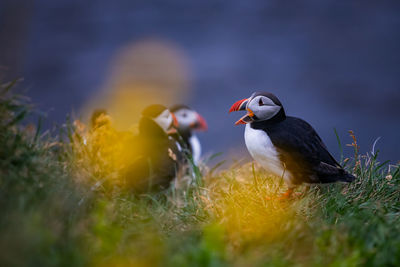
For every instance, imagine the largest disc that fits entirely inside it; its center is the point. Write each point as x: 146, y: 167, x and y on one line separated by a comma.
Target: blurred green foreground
x: 61, y: 204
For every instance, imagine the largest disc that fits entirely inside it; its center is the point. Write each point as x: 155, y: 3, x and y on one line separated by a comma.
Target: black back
x: 302, y: 151
x: 156, y: 161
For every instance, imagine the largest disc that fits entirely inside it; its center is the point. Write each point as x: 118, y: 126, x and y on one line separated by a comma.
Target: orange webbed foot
x: 285, y: 196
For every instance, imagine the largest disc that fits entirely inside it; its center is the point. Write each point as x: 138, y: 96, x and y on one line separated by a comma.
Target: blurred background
x: 335, y: 64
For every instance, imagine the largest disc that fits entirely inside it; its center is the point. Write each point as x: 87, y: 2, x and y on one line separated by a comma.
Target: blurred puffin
x: 286, y: 146
x: 156, y: 154
x: 189, y: 121
x: 95, y: 119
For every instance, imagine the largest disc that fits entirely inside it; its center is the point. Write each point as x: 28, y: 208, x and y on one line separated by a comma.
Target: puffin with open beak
x: 157, y: 156
x: 189, y: 121
x: 285, y: 146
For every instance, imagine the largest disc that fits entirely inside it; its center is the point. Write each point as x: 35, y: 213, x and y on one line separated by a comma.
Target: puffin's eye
x: 184, y: 115
x: 260, y: 103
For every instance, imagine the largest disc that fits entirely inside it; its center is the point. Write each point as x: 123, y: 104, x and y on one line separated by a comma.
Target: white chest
x: 263, y: 151
x: 196, y: 148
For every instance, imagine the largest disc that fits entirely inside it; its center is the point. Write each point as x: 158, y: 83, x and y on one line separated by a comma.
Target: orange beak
x: 172, y: 129
x: 174, y: 120
x: 241, y: 105
x: 200, y: 123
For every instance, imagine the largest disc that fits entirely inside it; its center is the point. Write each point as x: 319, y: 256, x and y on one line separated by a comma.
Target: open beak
x: 241, y: 105
x: 200, y: 123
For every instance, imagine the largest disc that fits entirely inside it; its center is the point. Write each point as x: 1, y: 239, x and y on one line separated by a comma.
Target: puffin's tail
x: 330, y: 174
x: 346, y: 177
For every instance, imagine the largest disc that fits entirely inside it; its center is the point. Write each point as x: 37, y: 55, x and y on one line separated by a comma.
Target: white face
x: 263, y: 107
x: 186, y: 118
x: 164, y: 120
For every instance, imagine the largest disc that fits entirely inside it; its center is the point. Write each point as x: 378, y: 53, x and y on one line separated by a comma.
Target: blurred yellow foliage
x: 239, y: 201
x: 103, y: 151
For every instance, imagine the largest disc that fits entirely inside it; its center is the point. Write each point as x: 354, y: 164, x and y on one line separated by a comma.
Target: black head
x: 99, y: 118
x: 153, y: 111
x: 177, y: 107
x: 160, y: 115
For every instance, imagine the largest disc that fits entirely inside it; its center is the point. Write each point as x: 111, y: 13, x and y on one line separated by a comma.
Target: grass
x: 62, y: 204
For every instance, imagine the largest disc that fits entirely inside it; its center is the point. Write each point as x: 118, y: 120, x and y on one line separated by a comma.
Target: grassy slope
x: 61, y: 205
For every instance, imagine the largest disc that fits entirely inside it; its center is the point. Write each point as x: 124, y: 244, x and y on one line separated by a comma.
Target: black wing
x: 153, y: 164
x: 304, y: 153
